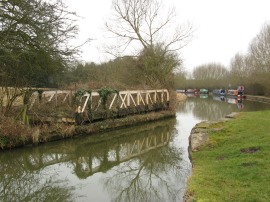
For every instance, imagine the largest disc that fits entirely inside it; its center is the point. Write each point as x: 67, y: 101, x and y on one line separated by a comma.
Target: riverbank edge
x: 64, y: 131
x: 258, y: 98
x: 199, y: 137
x: 199, y: 133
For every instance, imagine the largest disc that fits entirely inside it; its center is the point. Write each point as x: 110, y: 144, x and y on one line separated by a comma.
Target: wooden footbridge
x: 89, y: 106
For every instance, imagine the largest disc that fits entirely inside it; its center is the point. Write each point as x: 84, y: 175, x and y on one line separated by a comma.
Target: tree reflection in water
x: 18, y: 183
x: 135, y: 164
x: 154, y: 176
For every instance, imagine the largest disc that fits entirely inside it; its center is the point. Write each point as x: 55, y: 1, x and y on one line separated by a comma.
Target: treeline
x: 251, y: 70
x: 151, y: 69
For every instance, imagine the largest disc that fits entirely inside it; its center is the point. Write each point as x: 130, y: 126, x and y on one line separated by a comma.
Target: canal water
x: 143, y: 163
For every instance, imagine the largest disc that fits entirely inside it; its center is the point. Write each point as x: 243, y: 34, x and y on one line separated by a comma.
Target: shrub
x: 13, y: 132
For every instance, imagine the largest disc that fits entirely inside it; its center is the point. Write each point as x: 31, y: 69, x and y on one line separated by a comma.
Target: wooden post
x: 90, y: 113
x: 138, y: 98
x: 128, y: 98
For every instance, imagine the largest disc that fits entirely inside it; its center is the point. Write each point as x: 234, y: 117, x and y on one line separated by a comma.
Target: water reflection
x: 216, y: 107
x: 138, y: 164
x: 239, y: 102
x: 204, y: 96
x: 205, y: 109
x: 18, y: 183
x: 154, y: 176
x: 103, y: 155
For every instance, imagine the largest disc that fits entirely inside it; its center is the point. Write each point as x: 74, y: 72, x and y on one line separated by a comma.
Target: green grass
x: 235, y: 164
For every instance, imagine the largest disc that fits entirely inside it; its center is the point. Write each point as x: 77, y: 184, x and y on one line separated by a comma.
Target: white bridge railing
x: 56, y: 96
x: 126, y: 99
x: 92, y: 106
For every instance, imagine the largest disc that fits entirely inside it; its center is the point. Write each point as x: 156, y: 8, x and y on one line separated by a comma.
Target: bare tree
x: 259, y: 53
x: 145, y: 27
x: 260, y: 49
x: 213, y: 71
x: 142, y: 23
x: 240, y: 69
x: 211, y: 75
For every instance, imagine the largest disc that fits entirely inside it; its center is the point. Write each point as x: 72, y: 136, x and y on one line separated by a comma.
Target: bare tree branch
x: 139, y: 21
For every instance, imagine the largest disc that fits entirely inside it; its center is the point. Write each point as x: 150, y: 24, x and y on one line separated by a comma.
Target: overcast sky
x: 222, y: 27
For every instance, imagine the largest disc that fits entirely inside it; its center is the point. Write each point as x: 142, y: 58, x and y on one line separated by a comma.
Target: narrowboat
x: 192, y: 91
x: 239, y: 92
x: 203, y: 91
x: 220, y: 92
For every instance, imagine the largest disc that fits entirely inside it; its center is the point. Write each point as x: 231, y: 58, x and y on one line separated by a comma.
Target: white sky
x: 222, y: 27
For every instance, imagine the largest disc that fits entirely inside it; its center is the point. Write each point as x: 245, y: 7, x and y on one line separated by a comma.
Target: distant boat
x: 192, y: 91
x: 219, y: 92
x: 203, y: 91
x: 239, y: 92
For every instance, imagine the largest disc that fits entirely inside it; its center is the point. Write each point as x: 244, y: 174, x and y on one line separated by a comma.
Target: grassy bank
x: 234, y: 165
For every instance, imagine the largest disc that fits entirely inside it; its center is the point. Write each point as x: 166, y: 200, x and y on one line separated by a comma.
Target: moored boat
x: 220, y: 92
x: 203, y: 91
x: 239, y: 92
x: 192, y: 91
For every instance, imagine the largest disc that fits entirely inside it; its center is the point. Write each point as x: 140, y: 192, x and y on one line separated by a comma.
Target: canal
x: 142, y: 163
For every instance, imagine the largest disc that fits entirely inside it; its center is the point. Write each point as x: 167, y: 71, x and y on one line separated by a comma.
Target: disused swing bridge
x: 88, y: 106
